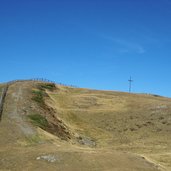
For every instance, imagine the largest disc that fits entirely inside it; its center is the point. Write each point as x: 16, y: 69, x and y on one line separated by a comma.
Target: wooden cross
x: 130, y: 84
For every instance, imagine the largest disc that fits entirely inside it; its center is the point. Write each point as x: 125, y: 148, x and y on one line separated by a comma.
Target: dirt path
x: 14, y: 105
x: 161, y: 167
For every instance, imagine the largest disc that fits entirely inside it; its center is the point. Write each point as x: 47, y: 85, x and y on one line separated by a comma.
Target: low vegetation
x: 39, y: 120
x: 129, y: 122
x: 38, y: 96
x: 40, y: 92
x: 48, y: 86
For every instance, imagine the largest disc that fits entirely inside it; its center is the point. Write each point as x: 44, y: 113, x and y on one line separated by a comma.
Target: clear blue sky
x: 89, y: 43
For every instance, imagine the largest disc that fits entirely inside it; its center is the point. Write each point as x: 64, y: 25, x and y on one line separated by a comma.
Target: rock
x: 86, y: 141
x: 49, y: 158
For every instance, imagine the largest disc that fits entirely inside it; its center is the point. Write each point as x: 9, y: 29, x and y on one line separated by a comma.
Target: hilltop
x: 53, y: 127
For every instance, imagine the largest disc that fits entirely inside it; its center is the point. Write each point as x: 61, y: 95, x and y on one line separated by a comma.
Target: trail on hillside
x: 14, y: 105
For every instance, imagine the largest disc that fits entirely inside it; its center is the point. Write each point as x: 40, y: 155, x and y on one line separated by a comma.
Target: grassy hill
x: 55, y: 127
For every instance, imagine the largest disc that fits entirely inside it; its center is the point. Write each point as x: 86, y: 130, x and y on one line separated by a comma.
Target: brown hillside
x: 51, y: 127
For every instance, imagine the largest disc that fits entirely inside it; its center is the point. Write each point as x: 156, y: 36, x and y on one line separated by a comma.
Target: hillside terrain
x: 52, y: 127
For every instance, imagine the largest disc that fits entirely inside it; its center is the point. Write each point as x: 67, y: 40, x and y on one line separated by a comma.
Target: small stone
x: 38, y: 158
x: 49, y: 158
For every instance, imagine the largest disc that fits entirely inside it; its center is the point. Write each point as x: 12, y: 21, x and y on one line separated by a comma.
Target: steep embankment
x: 48, y: 127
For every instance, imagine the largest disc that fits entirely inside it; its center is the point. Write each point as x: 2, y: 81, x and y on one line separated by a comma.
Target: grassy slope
x: 106, y: 117
x: 129, y: 122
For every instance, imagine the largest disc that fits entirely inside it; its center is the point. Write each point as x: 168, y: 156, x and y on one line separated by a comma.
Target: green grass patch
x: 39, y: 120
x: 31, y: 140
x: 38, y: 96
x: 48, y: 86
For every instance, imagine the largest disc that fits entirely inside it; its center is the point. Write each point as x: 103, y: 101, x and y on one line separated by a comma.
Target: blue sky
x: 94, y: 43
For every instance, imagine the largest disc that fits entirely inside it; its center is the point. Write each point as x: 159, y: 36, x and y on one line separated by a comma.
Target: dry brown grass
x: 129, y: 122
x: 124, y: 127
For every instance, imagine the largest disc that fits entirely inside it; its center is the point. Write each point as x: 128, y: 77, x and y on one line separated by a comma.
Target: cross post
x: 130, y: 84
